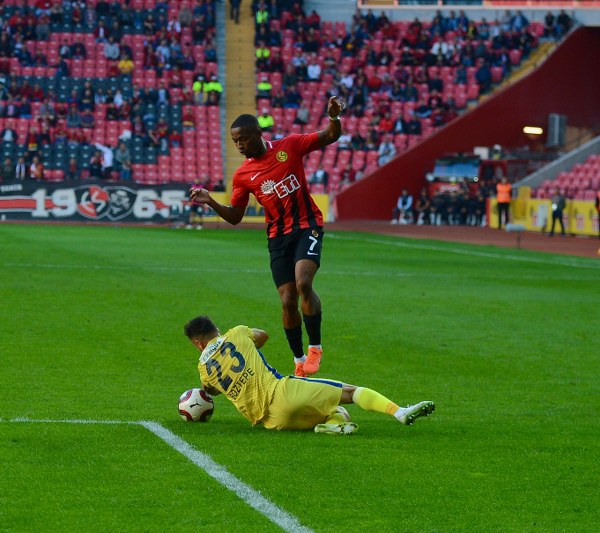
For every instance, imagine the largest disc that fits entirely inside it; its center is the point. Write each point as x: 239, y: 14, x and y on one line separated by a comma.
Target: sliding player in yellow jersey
x: 231, y: 364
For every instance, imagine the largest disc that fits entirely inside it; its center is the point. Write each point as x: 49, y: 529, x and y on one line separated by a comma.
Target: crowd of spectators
x: 400, y: 79
x: 49, y: 41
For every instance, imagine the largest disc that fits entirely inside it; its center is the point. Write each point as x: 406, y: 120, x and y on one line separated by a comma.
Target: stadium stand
x: 581, y: 182
x: 407, y: 78
x: 77, y: 75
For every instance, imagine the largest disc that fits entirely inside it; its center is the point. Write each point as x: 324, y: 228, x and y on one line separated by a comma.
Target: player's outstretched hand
x: 199, y: 195
x: 335, y: 106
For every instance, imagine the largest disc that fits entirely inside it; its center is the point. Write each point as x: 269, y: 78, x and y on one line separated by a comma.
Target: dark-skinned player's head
x: 247, y: 136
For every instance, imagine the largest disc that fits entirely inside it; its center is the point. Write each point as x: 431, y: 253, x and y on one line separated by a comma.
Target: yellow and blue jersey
x: 232, y: 364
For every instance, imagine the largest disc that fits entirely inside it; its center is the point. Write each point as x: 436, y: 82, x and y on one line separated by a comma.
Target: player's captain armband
x: 211, y: 350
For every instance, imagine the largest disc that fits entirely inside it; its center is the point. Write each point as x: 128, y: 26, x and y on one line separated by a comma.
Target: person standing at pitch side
x: 274, y: 173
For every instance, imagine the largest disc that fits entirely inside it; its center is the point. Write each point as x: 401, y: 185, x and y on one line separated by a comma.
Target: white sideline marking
x: 583, y: 263
x: 247, y: 494
x: 252, y: 497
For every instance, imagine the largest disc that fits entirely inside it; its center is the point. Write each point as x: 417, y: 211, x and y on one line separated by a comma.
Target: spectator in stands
x: 358, y: 141
x: 302, y: 115
x: 413, y: 126
x: 64, y: 50
x: 56, y: 13
x: 312, y: 42
x: 122, y: 157
x: 386, y: 150
x: 112, y: 50
x: 210, y: 53
x: 278, y: 98
x: 313, y: 70
x: 411, y: 93
x: 86, y: 102
x: 198, y: 89
x: 300, y: 65
x: 289, y: 77
x: 95, y: 167
x: 7, y: 170
x: 162, y: 95
x: 62, y: 68
x: 549, y: 25
x: 519, y: 22
x: 386, y: 124
x: 385, y: 57
x: 329, y: 63
x: 262, y: 54
x: 319, y: 177
x: 214, y: 89
x: 138, y: 129
x: 126, y: 65
x: 563, y: 23
x: 276, y: 63
x: 348, y: 175
x: 101, y: 32
x: 21, y: 170
x: 292, y: 97
x: 403, y: 211
x: 23, y: 107
x: 261, y: 15
x: 72, y: 171
x: 112, y: 113
x: 32, y: 143
x: 9, y: 134
x: 265, y: 120
x: 160, y: 134
x: 234, y: 10
x: 107, y: 158
x: 423, y: 208
x: 125, y: 16
x: 559, y: 202
x: 483, y: 76
x: 36, y: 169
x: 78, y: 51
x: 503, y: 196
x: 88, y: 120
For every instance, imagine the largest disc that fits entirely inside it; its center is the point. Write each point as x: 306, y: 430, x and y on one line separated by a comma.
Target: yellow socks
x: 371, y: 400
x: 335, y: 418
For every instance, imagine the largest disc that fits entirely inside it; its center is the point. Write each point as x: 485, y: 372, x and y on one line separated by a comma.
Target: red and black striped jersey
x: 278, y: 182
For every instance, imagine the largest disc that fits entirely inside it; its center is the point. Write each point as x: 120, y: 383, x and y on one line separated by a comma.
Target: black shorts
x: 286, y: 250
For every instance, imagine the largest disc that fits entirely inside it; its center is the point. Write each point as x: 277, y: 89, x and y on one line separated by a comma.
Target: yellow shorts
x: 302, y: 403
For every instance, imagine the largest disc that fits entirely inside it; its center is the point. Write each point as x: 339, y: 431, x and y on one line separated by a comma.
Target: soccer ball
x: 195, y: 405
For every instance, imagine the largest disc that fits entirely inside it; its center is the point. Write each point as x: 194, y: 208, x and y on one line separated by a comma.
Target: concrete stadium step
x: 241, y: 80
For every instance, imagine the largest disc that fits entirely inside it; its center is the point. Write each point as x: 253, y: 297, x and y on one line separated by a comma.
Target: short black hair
x: 245, y: 121
x: 201, y: 326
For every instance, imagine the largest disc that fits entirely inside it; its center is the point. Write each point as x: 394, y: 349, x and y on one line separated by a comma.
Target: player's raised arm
x: 229, y: 213
x: 334, y: 129
x: 260, y: 337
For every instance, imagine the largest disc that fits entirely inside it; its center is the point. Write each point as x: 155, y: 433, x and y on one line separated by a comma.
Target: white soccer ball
x: 195, y: 405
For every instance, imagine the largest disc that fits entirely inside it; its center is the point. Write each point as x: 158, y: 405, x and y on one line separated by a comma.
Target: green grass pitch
x: 505, y: 341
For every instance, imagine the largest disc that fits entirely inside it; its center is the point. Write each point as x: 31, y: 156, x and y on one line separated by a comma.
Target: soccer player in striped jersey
x: 274, y: 173
x: 231, y: 364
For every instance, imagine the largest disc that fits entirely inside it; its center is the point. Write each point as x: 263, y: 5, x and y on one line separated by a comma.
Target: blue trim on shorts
x: 268, y: 366
x: 337, y: 384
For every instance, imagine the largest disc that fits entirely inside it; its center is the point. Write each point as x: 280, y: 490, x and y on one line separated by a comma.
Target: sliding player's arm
x: 211, y: 390
x: 260, y: 337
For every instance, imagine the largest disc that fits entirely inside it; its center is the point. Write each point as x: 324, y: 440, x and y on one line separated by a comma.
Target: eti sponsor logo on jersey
x: 284, y: 188
x: 281, y: 156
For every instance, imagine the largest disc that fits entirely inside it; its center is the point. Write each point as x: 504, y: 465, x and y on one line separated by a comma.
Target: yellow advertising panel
x: 579, y: 217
